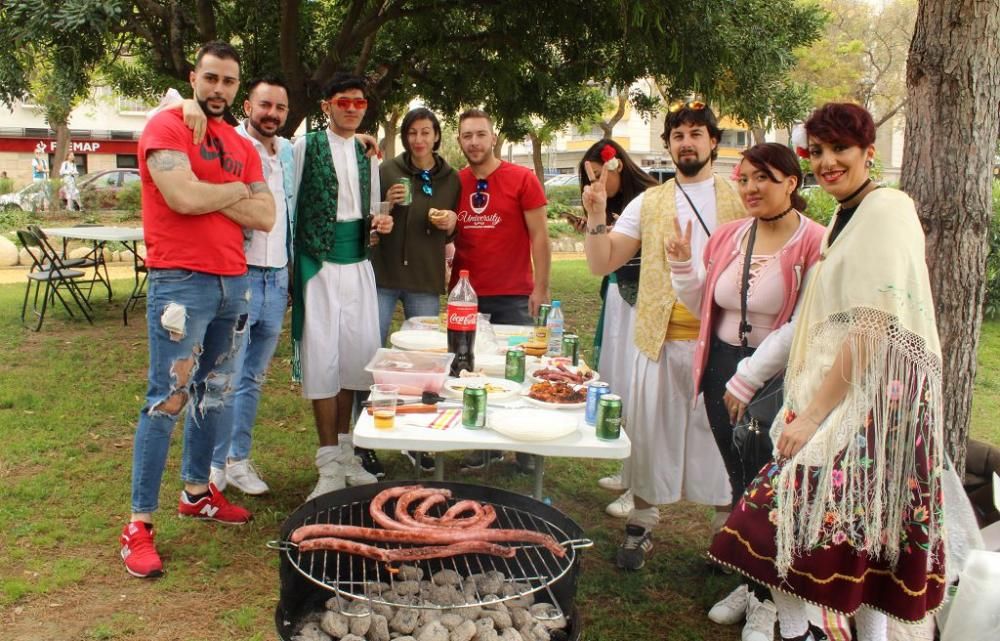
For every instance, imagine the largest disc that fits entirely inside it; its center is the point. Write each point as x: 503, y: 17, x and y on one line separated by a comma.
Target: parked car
x: 661, y: 174
x: 26, y: 198
x: 99, y: 190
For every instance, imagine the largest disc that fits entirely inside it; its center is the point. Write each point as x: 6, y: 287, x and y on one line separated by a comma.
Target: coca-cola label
x: 462, y: 318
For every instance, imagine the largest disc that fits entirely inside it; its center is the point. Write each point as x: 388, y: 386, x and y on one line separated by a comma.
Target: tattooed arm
x: 183, y: 192
x: 256, y: 212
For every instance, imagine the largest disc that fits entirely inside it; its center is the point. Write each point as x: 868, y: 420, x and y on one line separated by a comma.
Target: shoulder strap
x: 745, y: 327
x: 694, y: 209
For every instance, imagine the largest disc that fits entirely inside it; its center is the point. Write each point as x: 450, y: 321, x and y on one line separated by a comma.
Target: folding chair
x: 49, y: 269
x: 94, y: 259
x: 137, y: 291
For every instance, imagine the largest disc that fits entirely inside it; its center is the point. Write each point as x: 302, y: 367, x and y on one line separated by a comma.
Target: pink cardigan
x: 691, y: 285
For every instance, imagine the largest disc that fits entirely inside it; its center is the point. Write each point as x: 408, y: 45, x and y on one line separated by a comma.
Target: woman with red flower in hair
x: 849, y: 514
x: 613, y: 344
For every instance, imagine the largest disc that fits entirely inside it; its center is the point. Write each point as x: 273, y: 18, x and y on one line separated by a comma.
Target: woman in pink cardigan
x: 785, y: 245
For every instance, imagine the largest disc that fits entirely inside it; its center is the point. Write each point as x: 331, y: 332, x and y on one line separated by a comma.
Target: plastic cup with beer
x: 383, y: 401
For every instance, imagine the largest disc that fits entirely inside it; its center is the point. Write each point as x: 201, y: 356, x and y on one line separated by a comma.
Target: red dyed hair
x: 842, y: 122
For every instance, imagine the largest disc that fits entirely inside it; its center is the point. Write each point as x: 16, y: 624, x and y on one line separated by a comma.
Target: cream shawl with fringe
x: 870, y: 291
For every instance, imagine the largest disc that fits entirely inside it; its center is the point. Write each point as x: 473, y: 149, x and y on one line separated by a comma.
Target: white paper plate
x: 455, y: 386
x: 491, y: 364
x: 531, y: 425
x: 419, y: 340
x: 507, y: 331
x: 531, y: 374
x: 555, y: 406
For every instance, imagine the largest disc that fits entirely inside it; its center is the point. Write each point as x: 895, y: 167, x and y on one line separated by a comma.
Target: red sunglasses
x: 345, y: 103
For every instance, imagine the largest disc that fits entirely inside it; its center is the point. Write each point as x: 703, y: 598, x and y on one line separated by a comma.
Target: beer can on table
x: 571, y: 348
x: 514, y: 369
x: 408, y: 196
x: 609, y: 417
x: 595, y: 390
x: 543, y: 314
x: 474, y: 406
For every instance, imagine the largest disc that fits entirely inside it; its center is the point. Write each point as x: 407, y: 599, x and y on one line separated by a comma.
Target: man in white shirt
x: 268, y: 258
x: 674, y: 455
x: 335, y: 327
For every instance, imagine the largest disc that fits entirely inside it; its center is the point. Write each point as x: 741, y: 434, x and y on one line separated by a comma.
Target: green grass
x: 69, y: 399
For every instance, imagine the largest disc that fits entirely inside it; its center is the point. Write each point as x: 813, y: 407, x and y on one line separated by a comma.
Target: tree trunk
x: 536, y: 156
x: 608, y: 126
x: 498, y: 148
x: 63, y: 144
x: 390, y: 126
x: 758, y: 135
x: 953, y: 87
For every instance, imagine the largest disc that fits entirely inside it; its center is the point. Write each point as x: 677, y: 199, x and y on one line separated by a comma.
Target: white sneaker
x: 331, y: 479
x: 244, y: 477
x: 761, y: 616
x: 621, y: 506
x: 613, y: 483
x: 354, y: 472
x: 218, y: 476
x: 731, y: 609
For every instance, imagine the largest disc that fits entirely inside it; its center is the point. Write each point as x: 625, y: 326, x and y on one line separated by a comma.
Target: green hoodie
x: 411, y: 258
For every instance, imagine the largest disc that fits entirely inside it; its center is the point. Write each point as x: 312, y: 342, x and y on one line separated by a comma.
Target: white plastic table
x: 405, y: 436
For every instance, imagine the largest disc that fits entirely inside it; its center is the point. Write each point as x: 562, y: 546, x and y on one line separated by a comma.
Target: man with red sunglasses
x: 335, y: 328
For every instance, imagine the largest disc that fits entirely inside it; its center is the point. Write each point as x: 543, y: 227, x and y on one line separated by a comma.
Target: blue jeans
x: 195, y: 324
x: 414, y: 304
x: 268, y: 302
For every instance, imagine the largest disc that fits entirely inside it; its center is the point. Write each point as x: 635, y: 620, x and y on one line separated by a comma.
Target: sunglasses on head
x: 425, y: 177
x: 677, y: 105
x: 479, y: 198
x: 345, y: 103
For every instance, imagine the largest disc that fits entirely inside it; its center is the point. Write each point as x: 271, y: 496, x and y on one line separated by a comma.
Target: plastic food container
x: 414, y: 372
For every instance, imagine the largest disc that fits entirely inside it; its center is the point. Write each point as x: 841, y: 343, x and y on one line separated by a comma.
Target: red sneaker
x: 213, y: 507
x: 139, y: 552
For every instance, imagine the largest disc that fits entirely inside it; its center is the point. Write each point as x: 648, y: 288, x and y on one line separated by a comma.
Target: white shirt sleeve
x: 769, y: 359
x: 688, y: 281
x: 299, y: 153
x: 629, y: 223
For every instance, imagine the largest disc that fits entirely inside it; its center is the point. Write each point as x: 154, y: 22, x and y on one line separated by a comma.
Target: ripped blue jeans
x: 195, y: 323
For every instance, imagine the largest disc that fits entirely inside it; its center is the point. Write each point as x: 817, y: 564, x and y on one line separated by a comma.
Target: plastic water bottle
x: 463, y: 314
x: 555, y: 325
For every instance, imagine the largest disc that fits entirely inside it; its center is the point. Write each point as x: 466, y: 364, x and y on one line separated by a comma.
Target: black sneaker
x: 633, y: 551
x: 525, y: 462
x: 426, y: 460
x: 370, y: 462
x: 477, y: 459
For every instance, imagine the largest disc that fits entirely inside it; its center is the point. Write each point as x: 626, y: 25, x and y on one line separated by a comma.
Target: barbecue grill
x: 309, y: 579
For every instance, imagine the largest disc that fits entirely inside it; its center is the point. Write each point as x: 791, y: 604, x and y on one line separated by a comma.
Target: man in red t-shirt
x: 502, y: 231
x: 196, y: 200
x: 501, y: 228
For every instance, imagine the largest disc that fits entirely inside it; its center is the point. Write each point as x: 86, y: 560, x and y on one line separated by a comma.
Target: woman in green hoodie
x: 409, y: 262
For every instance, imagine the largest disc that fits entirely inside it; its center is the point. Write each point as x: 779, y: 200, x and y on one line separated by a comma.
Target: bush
x: 821, y: 205
x: 991, y: 303
x: 563, y: 194
x: 130, y: 198
x: 6, y: 185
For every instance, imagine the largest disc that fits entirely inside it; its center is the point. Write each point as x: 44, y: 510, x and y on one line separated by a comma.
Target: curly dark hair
x: 842, y: 122
x: 634, y: 180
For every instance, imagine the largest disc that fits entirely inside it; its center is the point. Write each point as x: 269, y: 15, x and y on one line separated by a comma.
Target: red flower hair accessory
x: 608, y: 155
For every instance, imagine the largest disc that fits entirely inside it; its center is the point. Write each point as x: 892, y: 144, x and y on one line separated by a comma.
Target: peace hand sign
x: 679, y: 247
x: 595, y: 195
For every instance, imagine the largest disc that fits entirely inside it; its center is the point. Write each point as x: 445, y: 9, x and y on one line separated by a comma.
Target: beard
x: 225, y: 114
x: 690, y: 168
x: 258, y: 126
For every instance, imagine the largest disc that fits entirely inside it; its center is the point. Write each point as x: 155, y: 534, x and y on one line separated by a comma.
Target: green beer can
x: 514, y: 366
x: 543, y: 314
x: 609, y: 417
x: 474, y: 406
x: 571, y: 347
x: 408, y: 197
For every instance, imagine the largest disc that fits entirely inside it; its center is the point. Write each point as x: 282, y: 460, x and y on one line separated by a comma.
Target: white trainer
x: 244, y: 477
x: 331, y: 479
x: 761, y: 616
x: 731, y: 609
x: 218, y: 476
x: 354, y: 472
x: 613, y: 483
x: 621, y: 506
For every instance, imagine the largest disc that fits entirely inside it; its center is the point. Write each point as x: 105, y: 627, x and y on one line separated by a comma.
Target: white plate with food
x: 506, y: 331
x: 559, y: 373
x: 427, y: 323
x: 531, y: 425
x: 557, y: 396
x: 497, y: 389
x: 420, y: 340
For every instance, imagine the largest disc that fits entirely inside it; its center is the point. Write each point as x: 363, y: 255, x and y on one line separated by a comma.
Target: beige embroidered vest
x: 656, y: 295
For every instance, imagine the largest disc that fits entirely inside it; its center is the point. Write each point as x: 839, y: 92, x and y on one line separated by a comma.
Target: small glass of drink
x: 383, y: 399
x: 384, y: 211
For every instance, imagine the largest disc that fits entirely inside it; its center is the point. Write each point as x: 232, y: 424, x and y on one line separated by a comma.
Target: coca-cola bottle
x: 463, y: 312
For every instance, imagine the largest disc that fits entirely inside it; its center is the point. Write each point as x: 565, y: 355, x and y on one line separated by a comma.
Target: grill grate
x: 532, y: 569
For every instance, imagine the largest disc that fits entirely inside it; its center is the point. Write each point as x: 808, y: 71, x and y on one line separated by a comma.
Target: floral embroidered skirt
x: 834, y: 574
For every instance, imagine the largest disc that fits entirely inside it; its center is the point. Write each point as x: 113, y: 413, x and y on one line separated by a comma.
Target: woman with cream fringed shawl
x: 849, y: 514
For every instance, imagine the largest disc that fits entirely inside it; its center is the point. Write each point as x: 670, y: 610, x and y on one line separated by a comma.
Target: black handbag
x: 751, y: 434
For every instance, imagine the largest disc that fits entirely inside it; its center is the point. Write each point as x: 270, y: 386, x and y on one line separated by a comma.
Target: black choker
x: 778, y: 217
x: 857, y: 191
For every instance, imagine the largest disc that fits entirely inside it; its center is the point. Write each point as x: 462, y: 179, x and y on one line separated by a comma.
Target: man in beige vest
x: 674, y: 455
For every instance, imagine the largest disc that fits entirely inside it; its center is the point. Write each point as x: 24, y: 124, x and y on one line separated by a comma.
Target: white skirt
x: 674, y: 455
x: 617, y: 344
x: 340, y: 333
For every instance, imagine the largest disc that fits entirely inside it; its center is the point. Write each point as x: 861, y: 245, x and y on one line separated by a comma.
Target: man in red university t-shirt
x: 196, y: 200
x: 501, y: 234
